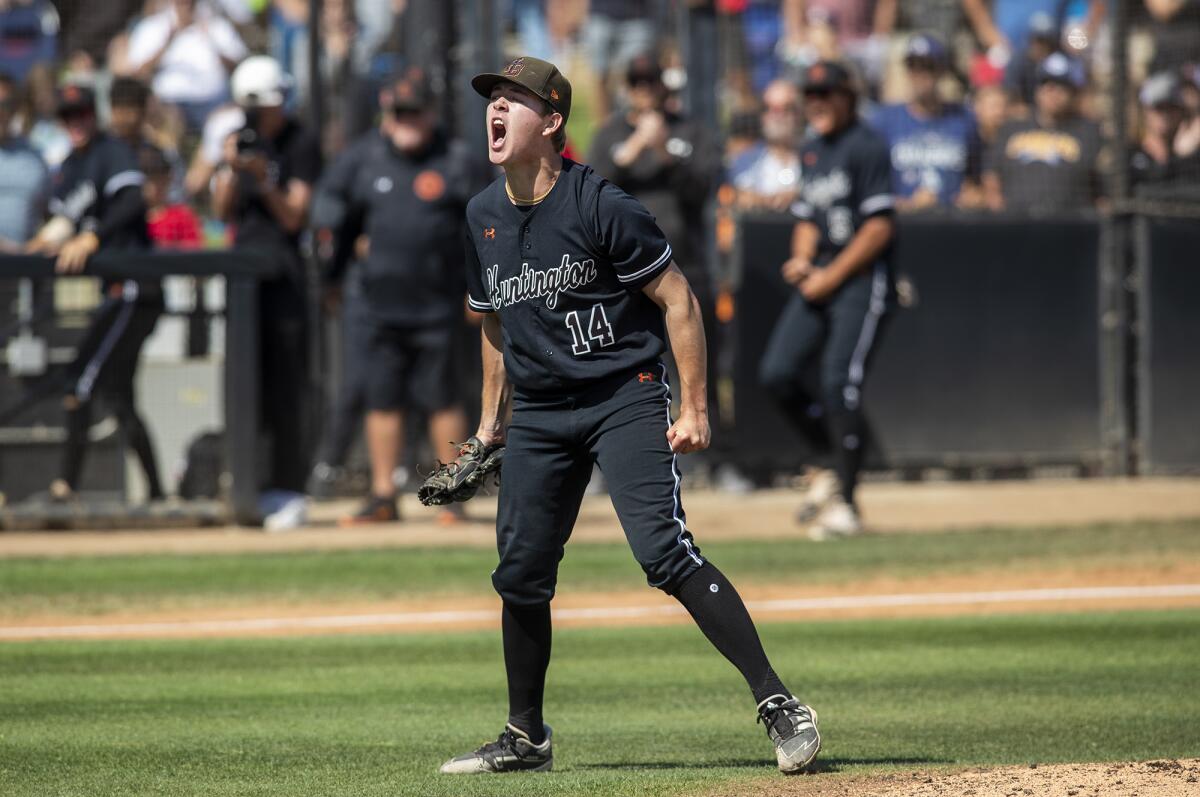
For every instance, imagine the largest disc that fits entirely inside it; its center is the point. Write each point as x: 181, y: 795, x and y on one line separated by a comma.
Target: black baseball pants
x: 815, y: 365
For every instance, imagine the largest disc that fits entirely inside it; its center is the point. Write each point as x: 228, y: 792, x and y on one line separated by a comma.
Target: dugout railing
x: 242, y: 271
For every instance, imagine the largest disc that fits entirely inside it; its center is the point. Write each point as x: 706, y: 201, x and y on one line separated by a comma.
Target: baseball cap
x: 827, y: 76
x: 1058, y: 68
x: 411, y: 91
x: 540, y: 77
x: 643, y: 69
x: 259, y: 82
x: 75, y: 98
x: 924, y: 47
x: 1161, y: 88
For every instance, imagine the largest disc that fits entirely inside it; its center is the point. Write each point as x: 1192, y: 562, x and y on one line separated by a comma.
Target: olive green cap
x: 540, y: 77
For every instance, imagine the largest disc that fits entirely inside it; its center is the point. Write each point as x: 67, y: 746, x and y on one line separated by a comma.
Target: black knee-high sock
x: 718, y: 609
x: 526, y: 656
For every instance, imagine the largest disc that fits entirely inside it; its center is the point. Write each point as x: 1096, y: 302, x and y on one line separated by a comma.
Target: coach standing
x: 842, y: 279
x: 401, y: 192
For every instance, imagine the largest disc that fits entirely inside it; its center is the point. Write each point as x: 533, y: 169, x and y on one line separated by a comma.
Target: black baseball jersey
x: 411, y: 209
x: 86, y: 191
x: 566, y: 277
x: 846, y: 179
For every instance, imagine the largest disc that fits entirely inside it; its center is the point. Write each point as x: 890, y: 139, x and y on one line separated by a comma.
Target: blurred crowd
x: 985, y: 106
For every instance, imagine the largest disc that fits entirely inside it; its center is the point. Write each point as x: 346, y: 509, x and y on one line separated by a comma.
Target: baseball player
x: 576, y: 281
x: 843, y: 287
x: 97, y: 204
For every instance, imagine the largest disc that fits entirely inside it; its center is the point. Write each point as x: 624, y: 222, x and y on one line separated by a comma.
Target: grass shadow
x: 822, y: 765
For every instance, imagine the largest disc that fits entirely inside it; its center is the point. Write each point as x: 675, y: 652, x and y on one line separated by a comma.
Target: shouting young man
x: 577, y: 281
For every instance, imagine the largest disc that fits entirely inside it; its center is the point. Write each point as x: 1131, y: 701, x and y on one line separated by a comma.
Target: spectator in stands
x: 28, y: 36
x: 767, y: 175
x: 945, y: 20
x: 1020, y: 76
x: 1013, y: 17
x: 933, y: 145
x: 614, y: 32
x: 37, y: 118
x: 264, y: 187
x: 1175, y: 26
x: 1047, y: 163
x: 1164, y: 157
x: 186, y: 51
x: 220, y: 125
x: 861, y: 32
x: 171, y: 224
x: 990, y: 107
x: 129, y: 101
x: 24, y: 178
x: 97, y: 204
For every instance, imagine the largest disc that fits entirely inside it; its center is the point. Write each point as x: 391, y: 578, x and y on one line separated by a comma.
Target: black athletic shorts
x: 411, y: 368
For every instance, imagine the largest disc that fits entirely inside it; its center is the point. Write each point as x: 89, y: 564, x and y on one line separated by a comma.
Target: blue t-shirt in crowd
x: 24, y: 190
x: 936, y: 154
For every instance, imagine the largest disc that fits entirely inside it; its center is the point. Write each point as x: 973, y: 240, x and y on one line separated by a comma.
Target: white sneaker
x: 823, y: 485
x: 283, y: 510
x: 837, y: 519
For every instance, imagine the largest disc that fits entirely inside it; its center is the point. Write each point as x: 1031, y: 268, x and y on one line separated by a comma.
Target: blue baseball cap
x: 1058, y: 68
x: 924, y: 47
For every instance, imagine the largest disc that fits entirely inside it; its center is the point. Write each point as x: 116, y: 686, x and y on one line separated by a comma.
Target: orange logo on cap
x: 515, y: 68
x: 429, y: 185
x: 489, y: 232
x: 554, y: 95
x: 816, y: 73
x: 810, y: 158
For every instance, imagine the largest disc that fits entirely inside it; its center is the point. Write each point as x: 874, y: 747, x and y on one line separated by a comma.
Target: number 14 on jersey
x: 599, y: 331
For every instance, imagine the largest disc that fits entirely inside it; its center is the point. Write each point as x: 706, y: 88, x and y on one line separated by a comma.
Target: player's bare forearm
x: 681, y: 310
x: 497, y: 391
x: 865, y: 247
x: 805, y: 237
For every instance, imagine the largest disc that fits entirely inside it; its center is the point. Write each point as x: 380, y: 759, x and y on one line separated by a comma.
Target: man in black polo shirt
x: 98, y: 204
x: 264, y: 187
x: 816, y: 360
x: 580, y: 292
x: 401, y: 192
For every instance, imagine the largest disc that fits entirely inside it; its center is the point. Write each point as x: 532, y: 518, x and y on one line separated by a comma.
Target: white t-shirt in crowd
x: 191, y: 69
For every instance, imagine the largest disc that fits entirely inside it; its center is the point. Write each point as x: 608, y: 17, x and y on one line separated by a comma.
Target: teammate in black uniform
x: 98, y: 204
x: 576, y: 280
x: 839, y: 267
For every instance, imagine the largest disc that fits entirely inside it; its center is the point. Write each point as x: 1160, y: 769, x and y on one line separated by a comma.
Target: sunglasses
x: 820, y: 94
x: 403, y: 111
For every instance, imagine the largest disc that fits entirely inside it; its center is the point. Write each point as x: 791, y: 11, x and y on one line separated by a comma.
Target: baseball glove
x: 461, y: 479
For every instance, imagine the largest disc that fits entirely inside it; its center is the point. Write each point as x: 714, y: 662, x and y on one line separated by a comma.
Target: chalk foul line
x: 457, y: 617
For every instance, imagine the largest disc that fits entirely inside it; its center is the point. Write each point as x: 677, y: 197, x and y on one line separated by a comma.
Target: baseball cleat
x: 837, y: 519
x: 512, y: 752
x: 792, y: 726
x: 823, y: 486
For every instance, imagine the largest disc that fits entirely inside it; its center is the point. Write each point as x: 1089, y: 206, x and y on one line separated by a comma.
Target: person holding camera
x: 263, y: 188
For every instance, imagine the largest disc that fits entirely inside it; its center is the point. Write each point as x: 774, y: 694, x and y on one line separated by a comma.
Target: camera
x: 248, y: 139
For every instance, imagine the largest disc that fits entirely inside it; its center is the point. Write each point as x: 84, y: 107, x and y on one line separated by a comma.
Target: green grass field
x: 641, y: 711
x: 98, y: 585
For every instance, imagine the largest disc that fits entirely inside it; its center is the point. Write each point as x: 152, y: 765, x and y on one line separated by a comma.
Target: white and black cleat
x: 512, y: 752
x: 792, y: 726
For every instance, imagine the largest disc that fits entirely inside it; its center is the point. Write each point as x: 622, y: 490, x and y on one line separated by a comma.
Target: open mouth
x: 498, y: 132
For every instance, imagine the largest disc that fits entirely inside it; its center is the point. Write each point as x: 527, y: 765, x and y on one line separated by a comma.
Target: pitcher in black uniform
x: 577, y: 280
x: 98, y: 204
x: 816, y: 360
